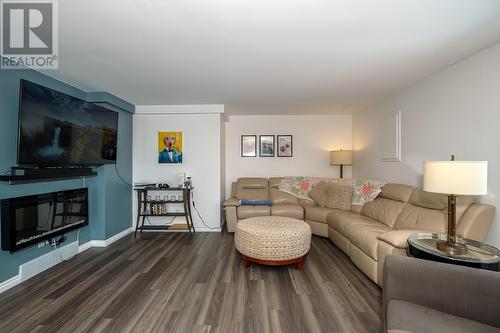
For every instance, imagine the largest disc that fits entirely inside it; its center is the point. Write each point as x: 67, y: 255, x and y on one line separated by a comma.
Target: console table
x: 143, y: 202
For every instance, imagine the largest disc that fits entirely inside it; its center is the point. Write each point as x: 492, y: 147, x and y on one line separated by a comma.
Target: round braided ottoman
x: 273, y: 240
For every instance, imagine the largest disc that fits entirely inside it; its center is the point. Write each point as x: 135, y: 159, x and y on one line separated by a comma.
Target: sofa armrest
x: 231, y: 202
x: 460, y: 291
x: 398, y: 238
x: 231, y: 218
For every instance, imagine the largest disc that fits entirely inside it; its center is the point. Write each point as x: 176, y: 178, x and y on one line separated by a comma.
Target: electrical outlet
x: 41, y: 244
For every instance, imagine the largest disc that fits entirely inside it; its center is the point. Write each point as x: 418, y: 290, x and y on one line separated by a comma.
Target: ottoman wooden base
x: 299, y: 262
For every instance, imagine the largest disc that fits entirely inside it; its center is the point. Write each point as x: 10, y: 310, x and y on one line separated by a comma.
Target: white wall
x: 202, y: 154
x: 223, y: 163
x: 456, y: 111
x: 314, y: 136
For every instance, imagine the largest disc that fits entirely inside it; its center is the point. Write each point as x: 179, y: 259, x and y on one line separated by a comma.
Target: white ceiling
x: 263, y: 56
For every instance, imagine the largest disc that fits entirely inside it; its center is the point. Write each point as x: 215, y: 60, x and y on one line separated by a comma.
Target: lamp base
x: 451, y: 248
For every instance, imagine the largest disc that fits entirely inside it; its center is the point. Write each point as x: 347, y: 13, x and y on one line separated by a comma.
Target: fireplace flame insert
x: 36, y: 218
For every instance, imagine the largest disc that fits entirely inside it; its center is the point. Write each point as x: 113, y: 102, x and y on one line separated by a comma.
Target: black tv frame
x: 9, y: 234
x: 55, y: 165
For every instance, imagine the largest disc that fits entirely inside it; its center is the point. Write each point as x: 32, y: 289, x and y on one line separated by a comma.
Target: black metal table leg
x: 189, y: 209
x: 185, y: 196
x: 139, y: 205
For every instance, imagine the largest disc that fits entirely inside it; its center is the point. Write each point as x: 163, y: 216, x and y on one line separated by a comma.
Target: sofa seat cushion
x: 295, y: 211
x: 317, y: 213
x: 340, y: 221
x: 405, y: 316
x: 398, y: 238
x: 251, y: 211
x: 364, y: 236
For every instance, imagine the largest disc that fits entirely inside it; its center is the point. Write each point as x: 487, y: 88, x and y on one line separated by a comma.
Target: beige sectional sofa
x: 369, y: 233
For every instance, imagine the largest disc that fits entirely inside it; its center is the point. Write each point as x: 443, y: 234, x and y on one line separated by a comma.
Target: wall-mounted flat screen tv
x: 56, y: 129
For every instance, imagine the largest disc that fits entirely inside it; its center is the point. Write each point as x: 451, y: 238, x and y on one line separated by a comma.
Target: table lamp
x: 341, y: 157
x: 455, y: 178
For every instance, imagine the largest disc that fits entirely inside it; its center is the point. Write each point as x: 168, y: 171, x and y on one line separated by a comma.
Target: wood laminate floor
x: 177, y: 282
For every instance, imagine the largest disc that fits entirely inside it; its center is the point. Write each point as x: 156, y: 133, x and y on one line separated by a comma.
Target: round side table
x: 479, y: 255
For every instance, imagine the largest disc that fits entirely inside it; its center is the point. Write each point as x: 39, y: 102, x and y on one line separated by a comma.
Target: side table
x: 479, y: 255
x: 143, y: 202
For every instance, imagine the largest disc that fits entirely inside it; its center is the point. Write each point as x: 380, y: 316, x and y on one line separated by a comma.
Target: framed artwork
x: 390, y: 132
x: 248, y: 145
x: 266, y: 143
x: 169, y: 147
x: 285, y: 145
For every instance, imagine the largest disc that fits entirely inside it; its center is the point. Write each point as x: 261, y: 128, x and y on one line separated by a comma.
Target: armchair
x: 425, y: 296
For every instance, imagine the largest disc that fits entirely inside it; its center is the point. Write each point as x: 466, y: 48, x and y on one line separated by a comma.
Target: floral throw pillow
x: 366, y: 190
x: 299, y: 186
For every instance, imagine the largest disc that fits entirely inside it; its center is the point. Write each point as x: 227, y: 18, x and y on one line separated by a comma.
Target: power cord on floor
x: 199, y: 215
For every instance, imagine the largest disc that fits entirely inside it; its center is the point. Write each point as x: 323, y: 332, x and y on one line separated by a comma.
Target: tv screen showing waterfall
x: 56, y: 129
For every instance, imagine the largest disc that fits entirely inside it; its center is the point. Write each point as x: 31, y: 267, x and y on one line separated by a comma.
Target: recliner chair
x: 431, y: 297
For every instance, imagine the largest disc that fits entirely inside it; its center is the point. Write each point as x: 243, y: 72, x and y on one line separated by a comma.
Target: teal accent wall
x: 110, y: 200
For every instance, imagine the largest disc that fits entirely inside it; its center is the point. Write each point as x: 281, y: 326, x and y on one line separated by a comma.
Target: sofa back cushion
x: 279, y: 197
x: 384, y: 210
x: 252, y: 188
x: 339, y: 196
x: 389, y: 203
x: 319, y: 193
x: 397, y: 192
x: 429, y: 211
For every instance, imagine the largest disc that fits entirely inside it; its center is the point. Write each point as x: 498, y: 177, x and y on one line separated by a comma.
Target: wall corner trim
x: 103, y: 97
x: 179, y: 109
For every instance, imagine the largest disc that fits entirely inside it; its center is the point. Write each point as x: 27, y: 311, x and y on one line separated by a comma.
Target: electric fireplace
x: 36, y: 218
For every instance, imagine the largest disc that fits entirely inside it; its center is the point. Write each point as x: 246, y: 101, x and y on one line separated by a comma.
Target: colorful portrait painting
x: 169, y: 147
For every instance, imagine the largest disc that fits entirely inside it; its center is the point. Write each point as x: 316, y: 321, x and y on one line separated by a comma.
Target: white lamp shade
x: 338, y: 157
x: 456, y: 177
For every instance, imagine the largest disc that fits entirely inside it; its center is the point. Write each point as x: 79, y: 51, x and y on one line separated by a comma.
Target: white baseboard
x: 84, y: 247
x: 44, y: 262
x: 205, y: 229
x: 12, y: 282
x: 198, y: 229
x: 105, y: 243
x: 49, y: 259
x: 116, y: 237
